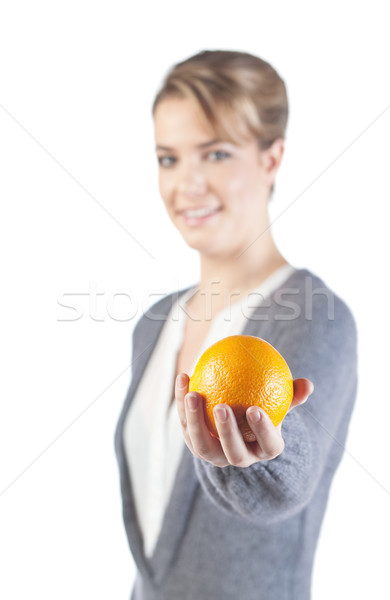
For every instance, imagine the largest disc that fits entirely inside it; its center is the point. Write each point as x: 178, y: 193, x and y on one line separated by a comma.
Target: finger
x: 230, y: 437
x: 268, y: 436
x: 181, y: 389
x: 302, y: 389
x: 204, y: 445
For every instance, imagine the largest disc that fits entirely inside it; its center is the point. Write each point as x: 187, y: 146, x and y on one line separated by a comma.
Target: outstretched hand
x: 231, y: 449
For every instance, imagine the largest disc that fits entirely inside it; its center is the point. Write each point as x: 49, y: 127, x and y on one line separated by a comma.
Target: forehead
x: 177, y: 121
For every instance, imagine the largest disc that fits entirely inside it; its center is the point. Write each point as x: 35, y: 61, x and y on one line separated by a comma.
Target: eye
x: 166, y: 161
x: 217, y: 155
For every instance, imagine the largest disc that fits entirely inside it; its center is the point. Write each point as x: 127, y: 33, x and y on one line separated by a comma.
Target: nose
x: 192, y: 181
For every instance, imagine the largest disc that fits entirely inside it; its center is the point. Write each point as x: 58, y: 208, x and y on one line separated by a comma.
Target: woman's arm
x: 311, y: 438
x: 230, y: 448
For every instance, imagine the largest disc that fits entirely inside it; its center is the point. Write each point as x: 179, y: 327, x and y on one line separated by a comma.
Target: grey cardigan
x: 251, y: 532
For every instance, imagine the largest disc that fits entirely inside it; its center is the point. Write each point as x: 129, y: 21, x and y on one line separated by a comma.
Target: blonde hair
x: 231, y: 87
x: 230, y: 90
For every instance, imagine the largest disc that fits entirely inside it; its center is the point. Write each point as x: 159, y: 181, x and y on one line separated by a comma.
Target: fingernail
x: 221, y: 413
x: 312, y: 389
x: 192, y: 401
x: 181, y: 381
x: 254, y: 415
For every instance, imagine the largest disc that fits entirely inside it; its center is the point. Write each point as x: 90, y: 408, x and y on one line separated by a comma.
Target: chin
x: 209, y: 248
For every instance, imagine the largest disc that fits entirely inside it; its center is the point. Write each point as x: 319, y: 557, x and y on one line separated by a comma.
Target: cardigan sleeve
x: 323, y: 350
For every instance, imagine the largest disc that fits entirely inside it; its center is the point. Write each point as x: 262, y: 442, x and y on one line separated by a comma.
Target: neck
x: 225, y: 277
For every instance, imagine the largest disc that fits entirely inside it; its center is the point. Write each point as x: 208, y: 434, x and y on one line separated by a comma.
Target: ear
x: 272, y: 157
x: 270, y: 160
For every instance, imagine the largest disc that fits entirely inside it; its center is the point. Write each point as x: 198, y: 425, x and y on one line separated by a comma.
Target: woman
x: 222, y: 519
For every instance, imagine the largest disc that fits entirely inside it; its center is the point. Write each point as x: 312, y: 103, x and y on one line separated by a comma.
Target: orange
x: 242, y: 371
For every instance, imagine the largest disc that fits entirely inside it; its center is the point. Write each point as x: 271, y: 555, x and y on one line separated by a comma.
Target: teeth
x: 199, y: 212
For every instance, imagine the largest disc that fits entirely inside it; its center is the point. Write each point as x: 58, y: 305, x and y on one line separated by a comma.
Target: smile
x: 196, y: 216
x: 199, y: 212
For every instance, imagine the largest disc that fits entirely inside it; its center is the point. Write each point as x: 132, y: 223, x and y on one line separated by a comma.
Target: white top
x: 152, y: 433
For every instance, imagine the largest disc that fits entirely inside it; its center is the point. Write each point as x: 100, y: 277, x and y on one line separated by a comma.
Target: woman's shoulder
x: 158, y: 312
x: 316, y: 299
x: 310, y: 324
x: 307, y: 309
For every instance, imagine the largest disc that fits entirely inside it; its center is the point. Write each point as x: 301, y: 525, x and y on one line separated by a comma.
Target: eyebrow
x: 205, y: 145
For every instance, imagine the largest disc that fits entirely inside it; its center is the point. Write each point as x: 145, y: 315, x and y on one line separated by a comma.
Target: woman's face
x: 216, y: 193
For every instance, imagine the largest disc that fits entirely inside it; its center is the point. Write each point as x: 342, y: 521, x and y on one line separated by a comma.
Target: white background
x: 79, y: 203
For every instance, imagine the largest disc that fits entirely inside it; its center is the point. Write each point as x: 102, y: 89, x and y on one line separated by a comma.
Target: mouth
x: 198, y: 216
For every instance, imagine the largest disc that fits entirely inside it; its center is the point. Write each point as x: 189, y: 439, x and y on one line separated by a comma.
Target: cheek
x: 164, y: 189
x: 239, y: 187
